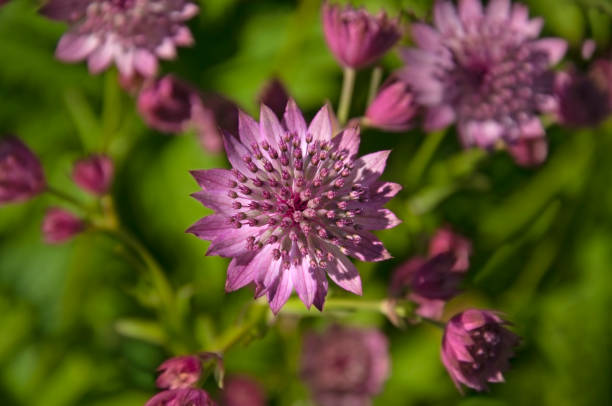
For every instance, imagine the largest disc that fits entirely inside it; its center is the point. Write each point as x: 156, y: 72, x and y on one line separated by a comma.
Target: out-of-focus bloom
x: 357, y: 38
x: 179, y: 372
x: 529, y: 152
x: 94, y: 174
x: 446, y: 240
x: 345, y: 366
x: 476, y: 348
x: 181, y: 397
x: 274, y: 95
x: 133, y: 34
x: 21, y: 175
x: 3, y: 2
x: 60, y: 225
x: 583, y: 101
x: 295, y: 204
x: 242, y: 391
x: 216, y: 115
x: 588, y: 49
x: 601, y: 72
x: 486, y: 70
x: 393, y: 108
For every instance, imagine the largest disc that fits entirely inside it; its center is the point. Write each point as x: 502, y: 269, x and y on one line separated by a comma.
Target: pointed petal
x: 554, y: 47
x: 208, y: 228
x: 244, y: 269
x: 425, y: 36
x: 439, y: 117
x: 470, y: 11
x: 343, y: 272
x: 213, y: 179
x: 445, y: 18
x: 305, y: 281
x: 269, y: 126
x: 382, y: 192
x: 235, y: 152
x: 232, y: 242
x: 294, y: 120
x: 498, y: 9
x: 370, y: 167
x: 279, y: 293
x: 348, y: 142
x: 321, y: 126
x: 248, y: 129
x: 380, y: 219
x: 73, y: 48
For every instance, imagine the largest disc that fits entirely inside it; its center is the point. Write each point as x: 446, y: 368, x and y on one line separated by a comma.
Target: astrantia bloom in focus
x: 486, y: 70
x: 345, y: 366
x: 181, y: 397
x: 295, y: 204
x: 60, y: 225
x: 179, y: 372
x: 21, y: 176
x: 357, y: 38
x: 476, y: 348
x: 242, y: 391
x: 393, y: 108
x: 131, y: 33
x: 94, y: 174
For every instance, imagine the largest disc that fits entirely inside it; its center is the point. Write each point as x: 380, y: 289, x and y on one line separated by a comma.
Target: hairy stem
x: 346, y: 96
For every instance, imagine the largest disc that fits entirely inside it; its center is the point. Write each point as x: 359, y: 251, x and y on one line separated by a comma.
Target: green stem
x: 65, y: 196
x: 603, y: 6
x: 344, y: 106
x: 375, y: 80
x: 433, y: 322
x: 423, y: 156
x: 237, y: 333
x: 295, y: 307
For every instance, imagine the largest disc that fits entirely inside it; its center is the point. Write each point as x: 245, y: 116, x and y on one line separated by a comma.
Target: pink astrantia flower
x: 357, y: 38
x: 476, y: 348
x: 295, y: 204
x: 242, y: 391
x: 274, y: 95
x: 529, y: 152
x: 345, y: 366
x: 21, y: 175
x: 179, y: 372
x: 393, y: 108
x: 583, y: 100
x: 94, y: 174
x: 133, y: 34
x: 486, y: 70
x: 60, y: 225
x: 181, y: 397
x: 446, y: 240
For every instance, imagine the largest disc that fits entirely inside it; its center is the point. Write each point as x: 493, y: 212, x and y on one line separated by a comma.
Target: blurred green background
x: 76, y: 325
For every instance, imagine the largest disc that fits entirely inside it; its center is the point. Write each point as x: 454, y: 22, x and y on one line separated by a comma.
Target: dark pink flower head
x: 345, y: 366
x: 357, y: 38
x: 21, y: 175
x: 582, y: 100
x: 181, y: 397
x: 294, y: 206
x: 476, y: 348
x: 179, y: 372
x: 486, y: 70
x: 393, y: 108
x: 274, y: 95
x: 446, y: 240
x: 133, y: 34
x: 60, y: 225
x: 529, y: 152
x: 215, y: 115
x: 94, y: 174
x: 242, y: 391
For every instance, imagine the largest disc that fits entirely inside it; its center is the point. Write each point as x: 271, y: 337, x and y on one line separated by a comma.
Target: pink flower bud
x: 179, y: 372
x: 181, y: 397
x: 357, y: 38
x: 529, y: 152
x: 394, y: 107
x: 476, y: 348
x: 60, y: 225
x: 21, y: 176
x: 274, y: 95
x: 243, y: 391
x: 94, y: 174
x: 446, y: 240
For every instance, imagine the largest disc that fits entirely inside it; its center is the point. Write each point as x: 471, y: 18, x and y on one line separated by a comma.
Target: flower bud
x: 529, y: 152
x: 21, y: 175
x: 181, y: 397
x: 583, y: 101
x: 274, y: 95
x: 94, y: 174
x: 243, y: 391
x: 393, y: 109
x: 179, y: 372
x: 446, y: 240
x: 213, y: 116
x: 60, y: 225
x: 476, y: 348
x: 357, y: 38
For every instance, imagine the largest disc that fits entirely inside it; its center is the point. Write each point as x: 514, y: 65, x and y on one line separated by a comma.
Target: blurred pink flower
x: 21, y: 175
x: 529, y: 152
x: 94, y: 174
x: 357, y: 38
x: 181, y: 397
x: 133, y: 34
x: 393, y: 108
x: 345, y: 366
x: 179, y: 372
x: 242, y: 391
x: 476, y: 348
x: 583, y: 100
x: 274, y: 95
x: 60, y: 225
x: 446, y: 240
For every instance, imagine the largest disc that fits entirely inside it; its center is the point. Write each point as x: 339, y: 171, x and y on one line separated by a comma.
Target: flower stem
x: 232, y: 336
x: 65, y: 196
x: 374, y: 83
x: 433, y: 322
x: 348, y: 83
x: 423, y: 156
x: 295, y: 307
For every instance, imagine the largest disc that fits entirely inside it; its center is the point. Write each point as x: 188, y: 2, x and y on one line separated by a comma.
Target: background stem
x: 348, y: 84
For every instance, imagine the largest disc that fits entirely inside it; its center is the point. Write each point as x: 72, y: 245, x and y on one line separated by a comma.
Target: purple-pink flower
x: 60, y: 225
x: 296, y: 203
x: 94, y: 174
x: 447, y: 240
x: 583, y: 101
x: 357, y: 38
x: 484, y: 69
x: 393, y: 108
x: 274, y: 95
x: 242, y: 391
x: 181, y: 397
x: 179, y: 372
x: 345, y: 366
x: 133, y: 34
x: 476, y: 348
x: 21, y: 175
x: 529, y: 152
